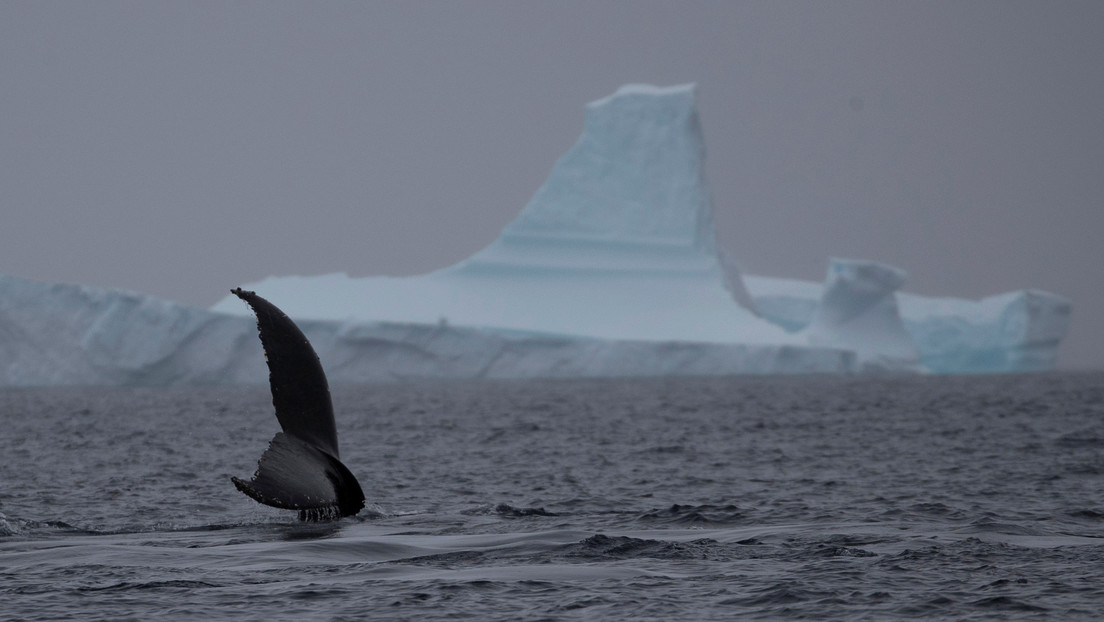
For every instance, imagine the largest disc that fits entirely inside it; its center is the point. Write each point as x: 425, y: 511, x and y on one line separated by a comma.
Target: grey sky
x: 179, y: 149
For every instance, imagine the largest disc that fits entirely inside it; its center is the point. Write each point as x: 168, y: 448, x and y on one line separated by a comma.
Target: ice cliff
x: 52, y: 334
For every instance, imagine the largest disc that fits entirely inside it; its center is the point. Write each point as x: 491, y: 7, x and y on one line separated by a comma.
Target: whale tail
x: 301, y: 469
x: 295, y: 475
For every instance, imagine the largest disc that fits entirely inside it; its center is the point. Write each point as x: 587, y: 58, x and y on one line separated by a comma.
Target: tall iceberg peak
x: 618, y: 243
x: 630, y: 195
x: 634, y: 175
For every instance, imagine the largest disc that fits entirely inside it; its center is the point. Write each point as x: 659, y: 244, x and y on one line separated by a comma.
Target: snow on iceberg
x: 618, y: 244
x: 1017, y: 331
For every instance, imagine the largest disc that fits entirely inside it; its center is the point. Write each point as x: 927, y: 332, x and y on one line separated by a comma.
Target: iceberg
x: 611, y: 269
x: 1013, y: 332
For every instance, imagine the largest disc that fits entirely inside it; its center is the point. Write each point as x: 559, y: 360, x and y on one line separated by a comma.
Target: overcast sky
x: 180, y: 149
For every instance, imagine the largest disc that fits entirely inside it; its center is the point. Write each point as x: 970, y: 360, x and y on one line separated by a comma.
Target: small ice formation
x: 858, y: 311
x: 1017, y: 331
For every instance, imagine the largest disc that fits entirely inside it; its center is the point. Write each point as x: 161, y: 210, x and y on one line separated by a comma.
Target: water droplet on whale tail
x: 301, y: 469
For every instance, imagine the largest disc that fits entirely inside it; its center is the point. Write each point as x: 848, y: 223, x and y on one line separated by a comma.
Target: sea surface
x: 857, y: 498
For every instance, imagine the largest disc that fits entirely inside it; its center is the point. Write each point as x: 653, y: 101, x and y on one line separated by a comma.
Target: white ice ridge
x: 617, y: 244
x: 55, y: 335
x: 1017, y: 331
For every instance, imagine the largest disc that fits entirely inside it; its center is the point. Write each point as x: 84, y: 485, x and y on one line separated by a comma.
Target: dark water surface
x: 693, y: 499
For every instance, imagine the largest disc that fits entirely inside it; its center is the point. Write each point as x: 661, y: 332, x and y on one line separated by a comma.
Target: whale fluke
x: 301, y: 469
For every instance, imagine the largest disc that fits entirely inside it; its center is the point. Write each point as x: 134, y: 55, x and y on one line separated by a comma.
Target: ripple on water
x: 703, y: 499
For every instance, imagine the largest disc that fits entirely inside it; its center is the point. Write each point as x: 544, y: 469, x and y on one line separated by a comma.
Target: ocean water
x: 696, y: 499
